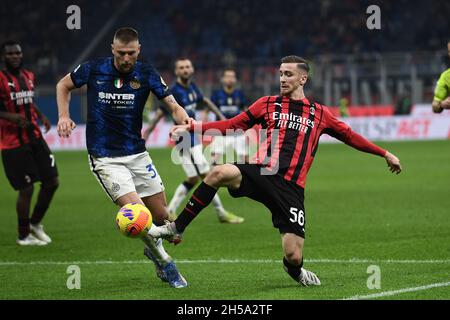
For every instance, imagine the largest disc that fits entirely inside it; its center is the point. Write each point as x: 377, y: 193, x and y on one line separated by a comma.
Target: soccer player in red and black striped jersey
x: 277, y: 179
x: 25, y: 154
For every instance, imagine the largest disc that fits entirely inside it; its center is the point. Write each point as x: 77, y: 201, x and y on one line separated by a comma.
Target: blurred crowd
x: 221, y: 32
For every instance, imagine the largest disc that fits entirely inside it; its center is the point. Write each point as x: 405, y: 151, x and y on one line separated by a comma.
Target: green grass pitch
x: 358, y: 214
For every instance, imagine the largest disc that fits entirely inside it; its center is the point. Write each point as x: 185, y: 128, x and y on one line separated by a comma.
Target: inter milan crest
x: 135, y: 84
x: 118, y: 83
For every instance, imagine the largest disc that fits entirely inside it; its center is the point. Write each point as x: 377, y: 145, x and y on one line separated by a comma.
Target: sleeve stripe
x: 252, y: 118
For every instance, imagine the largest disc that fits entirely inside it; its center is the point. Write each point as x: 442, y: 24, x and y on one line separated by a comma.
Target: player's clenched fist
x: 65, y: 127
x: 177, y: 131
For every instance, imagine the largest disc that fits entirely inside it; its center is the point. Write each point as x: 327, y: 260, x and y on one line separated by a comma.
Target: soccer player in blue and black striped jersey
x: 117, y: 89
x: 231, y: 101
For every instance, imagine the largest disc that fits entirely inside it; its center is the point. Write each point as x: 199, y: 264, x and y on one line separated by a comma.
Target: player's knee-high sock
x: 293, y: 270
x: 23, y: 211
x: 157, y: 250
x: 201, y: 198
x: 220, y: 210
x: 44, y: 198
x: 180, y: 193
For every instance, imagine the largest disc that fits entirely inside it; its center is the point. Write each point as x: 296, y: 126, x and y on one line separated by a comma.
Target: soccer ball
x: 133, y: 220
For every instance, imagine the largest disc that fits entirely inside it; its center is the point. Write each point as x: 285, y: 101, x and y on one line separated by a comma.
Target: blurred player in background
x: 294, y: 127
x: 231, y: 101
x: 25, y: 154
x: 441, y: 98
x: 118, y: 88
x: 193, y: 161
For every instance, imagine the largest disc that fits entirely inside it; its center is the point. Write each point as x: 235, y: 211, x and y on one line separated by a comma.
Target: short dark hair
x: 228, y: 70
x: 126, y: 35
x: 182, y: 58
x: 9, y: 43
x: 301, y: 63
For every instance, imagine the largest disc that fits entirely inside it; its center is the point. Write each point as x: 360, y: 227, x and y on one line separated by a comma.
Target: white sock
x: 178, y: 197
x: 157, y: 250
x: 220, y: 210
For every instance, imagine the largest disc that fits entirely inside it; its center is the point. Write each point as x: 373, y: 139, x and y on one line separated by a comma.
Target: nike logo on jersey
x: 100, y: 82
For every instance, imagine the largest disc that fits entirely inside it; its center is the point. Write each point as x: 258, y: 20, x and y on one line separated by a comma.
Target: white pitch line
x: 226, y: 261
x: 400, y: 291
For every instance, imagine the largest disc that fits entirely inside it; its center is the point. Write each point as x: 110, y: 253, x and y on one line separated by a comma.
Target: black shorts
x: 283, y: 198
x: 29, y: 163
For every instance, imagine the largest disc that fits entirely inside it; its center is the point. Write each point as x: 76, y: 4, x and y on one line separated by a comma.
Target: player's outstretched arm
x: 65, y: 124
x: 244, y: 121
x: 343, y: 132
x: 179, y: 115
x: 393, y: 163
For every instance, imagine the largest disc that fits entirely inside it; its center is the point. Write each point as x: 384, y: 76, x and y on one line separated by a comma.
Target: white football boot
x: 38, y: 231
x: 308, y: 278
x: 31, y: 240
x: 167, y: 231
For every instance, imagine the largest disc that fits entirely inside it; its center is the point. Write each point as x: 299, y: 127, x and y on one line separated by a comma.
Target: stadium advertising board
x: 421, y: 124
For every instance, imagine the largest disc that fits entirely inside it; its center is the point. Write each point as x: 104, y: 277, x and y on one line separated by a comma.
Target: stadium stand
x: 367, y: 67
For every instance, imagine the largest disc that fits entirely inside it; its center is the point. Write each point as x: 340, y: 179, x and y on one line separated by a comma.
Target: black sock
x: 188, y: 185
x: 38, y: 214
x: 23, y: 211
x: 44, y: 198
x: 201, y: 198
x: 293, y: 270
x: 24, y: 228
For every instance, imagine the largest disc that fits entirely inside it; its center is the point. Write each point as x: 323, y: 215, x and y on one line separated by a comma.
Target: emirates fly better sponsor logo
x: 22, y: 97
x: 117, y: 100
x: 292, y: 121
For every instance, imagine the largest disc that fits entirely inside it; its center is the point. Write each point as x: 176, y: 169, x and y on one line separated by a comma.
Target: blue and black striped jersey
x: 115, y: 105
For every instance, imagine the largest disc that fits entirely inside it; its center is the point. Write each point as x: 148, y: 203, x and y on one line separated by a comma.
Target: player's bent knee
x: 215, y: 176
x: 294, y: 257
x: 51, y: 184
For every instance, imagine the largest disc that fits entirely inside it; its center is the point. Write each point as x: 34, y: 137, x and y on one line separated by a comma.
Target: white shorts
x: 194, y: 162
x: 220, y: 144
x: 121, y: 175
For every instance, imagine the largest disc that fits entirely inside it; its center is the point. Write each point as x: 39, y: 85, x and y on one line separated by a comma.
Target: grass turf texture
x: 355, y: 208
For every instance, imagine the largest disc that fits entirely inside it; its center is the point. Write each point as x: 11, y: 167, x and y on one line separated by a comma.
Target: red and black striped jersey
x: 293, y: 129
x: 16, y: 96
